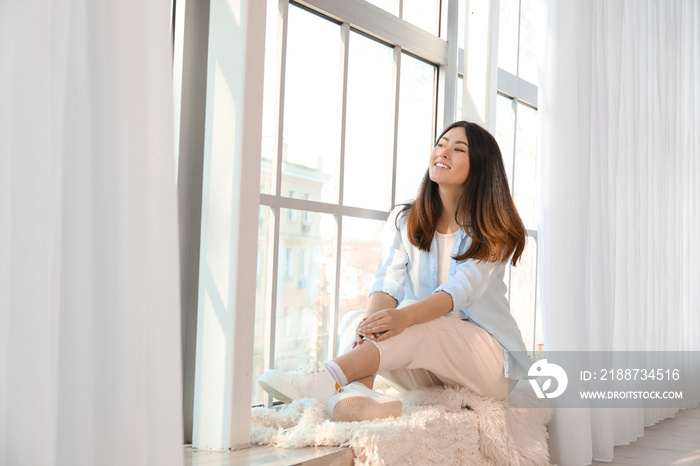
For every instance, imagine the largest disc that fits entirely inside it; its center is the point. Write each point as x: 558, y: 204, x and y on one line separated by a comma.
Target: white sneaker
x: 355, y: 402
x: 313, y: 381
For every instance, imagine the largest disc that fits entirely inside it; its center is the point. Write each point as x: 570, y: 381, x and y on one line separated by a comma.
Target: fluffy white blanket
x: 439, y: 426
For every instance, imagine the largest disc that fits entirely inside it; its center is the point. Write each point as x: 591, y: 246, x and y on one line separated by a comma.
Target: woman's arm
x: 379, y: 301
x: 469, y: 282
x: 390, y: 280
x: 386, y: 323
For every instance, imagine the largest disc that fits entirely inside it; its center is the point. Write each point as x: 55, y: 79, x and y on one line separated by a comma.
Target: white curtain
x: 620, y: 220
x: 89, y: 287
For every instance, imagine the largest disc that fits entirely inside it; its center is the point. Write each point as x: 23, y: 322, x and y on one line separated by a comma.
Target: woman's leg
x: 360, y: 364
x: 446, y: 350
x: 356, y: 401
x: 367, y: 381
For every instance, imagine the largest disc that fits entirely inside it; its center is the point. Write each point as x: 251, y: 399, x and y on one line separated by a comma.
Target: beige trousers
x: 448, y: 350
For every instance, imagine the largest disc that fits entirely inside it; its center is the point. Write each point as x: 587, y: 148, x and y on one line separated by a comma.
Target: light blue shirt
x: 476, y: 287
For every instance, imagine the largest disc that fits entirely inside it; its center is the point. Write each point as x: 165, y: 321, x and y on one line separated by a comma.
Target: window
x: 517, y: 130
x: 416, y: 122
x: 346, y: 113
x: 422, y: 13
x: 369, y: 135
x: 288, y: 262
x: 292, y: 214
x: 351, y: 105
x: 306, y: 216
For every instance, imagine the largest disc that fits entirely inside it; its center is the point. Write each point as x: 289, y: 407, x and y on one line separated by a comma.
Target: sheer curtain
x: 89, y: 269
x: 619, y: 231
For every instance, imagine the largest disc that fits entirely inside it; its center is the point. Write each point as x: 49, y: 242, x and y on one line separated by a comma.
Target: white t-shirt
x: 444, y: 253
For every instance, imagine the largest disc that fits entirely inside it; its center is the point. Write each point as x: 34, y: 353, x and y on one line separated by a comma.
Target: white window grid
x: 530, y: 233
x: 520, y: 91
x: 523, y: 92
x: 403, y: 37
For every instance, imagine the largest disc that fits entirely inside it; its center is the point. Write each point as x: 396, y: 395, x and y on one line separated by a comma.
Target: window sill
x: 311, y: 456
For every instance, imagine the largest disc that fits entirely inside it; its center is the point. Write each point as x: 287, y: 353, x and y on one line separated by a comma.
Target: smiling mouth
x: 441, y: 165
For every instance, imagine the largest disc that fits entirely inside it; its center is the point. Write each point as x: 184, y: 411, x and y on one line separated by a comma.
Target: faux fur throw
x: 438, y: 426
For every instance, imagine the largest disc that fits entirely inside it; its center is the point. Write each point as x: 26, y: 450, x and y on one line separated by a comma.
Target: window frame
x: 403, y: 37
x: 524, y: 92
x: 520, y: 91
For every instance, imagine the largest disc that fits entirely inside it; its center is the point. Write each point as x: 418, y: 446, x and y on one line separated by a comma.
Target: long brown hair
x: 485, y: 211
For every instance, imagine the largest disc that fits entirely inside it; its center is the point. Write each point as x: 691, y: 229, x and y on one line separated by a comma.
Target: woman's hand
x: 383, y: 324
x: 358, y: 338
x: 378, y: 301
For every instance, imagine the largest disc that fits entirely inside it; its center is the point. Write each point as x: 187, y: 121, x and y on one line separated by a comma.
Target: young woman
x: 437, y: 312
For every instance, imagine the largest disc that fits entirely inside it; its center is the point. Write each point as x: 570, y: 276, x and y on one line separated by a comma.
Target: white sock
x: 336, y: 372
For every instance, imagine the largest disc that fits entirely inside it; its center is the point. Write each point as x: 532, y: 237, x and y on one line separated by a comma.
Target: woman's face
x: 449, y: 161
